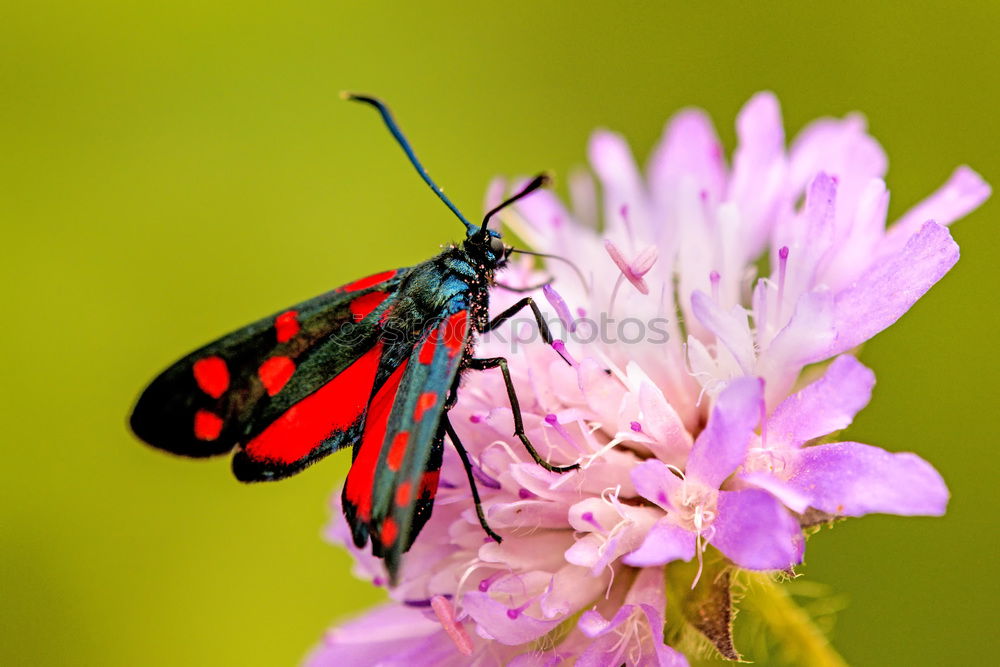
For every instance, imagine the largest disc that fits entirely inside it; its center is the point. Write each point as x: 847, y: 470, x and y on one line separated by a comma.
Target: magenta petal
x: 502, y: 623
x: 851, y: 479
x: 722, y: 446
x: 825, y: 406
x: 664, y: 543
x: 886, y: 290
x: 756, y: 532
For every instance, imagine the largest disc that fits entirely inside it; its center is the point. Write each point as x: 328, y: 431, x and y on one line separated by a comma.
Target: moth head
x: 486, y: 246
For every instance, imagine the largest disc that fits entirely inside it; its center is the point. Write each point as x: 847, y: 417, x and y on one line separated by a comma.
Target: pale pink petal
x: 883, y: 293
x: 583, y: 197
x: 494, y: 195
x: 823, y: 407
x: 543, y: 209
x: 535, y: 658
x: 851, y: 479
x: 841, y: 147
x: 759, y: 168
x: 689, y: 149
x: 571, y: 589
x: 614, y: 165
x: 756, y: 532
x: 665, y: 542
x: 806, y: 338
x: 810, y: 237
x: 381, y: 635
x: 964, y: 192
x: 593, y: 625
x: 661, y: 422
x: 505, y: 624
x: 722, y: 446
x: 731, y: 328
x: 644, y: 261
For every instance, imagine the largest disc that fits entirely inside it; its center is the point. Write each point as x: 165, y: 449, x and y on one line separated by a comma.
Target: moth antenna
x: 579, y: 273
x: 540, y: 181
x: 390, y: 123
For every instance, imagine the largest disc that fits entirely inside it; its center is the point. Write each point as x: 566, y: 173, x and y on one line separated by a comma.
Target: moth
x: 374, y: 365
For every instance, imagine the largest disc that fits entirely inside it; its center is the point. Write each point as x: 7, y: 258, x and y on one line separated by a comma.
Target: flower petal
x: 571, y: 589
x: 662, y: 423
x: 689, y: 149
x: 756, y: 532
x: 962, y: 194
x: 722, y: 446
x: 593, y: 624
x: 823, y: 407
x: 851, y: 479
x: 654, y: 481
x: 502, y: 623
x: 381, y: 635
x: 884, y: 292
x: 730, y: 327
x: 759, y: 167
x: 664, y: 543
x: 805, y: 339
x: 614, y: 165
x: 790, y: 497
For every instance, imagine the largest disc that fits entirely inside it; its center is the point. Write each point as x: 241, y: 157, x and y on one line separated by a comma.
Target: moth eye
x: 496, y: 247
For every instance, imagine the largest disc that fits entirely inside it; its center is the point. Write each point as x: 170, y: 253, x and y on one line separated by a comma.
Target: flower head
x: 682, y: 400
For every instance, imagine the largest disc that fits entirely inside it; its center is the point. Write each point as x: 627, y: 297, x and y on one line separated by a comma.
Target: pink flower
x: 680, y: 401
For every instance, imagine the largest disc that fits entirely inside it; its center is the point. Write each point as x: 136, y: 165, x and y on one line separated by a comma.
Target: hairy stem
x: 789, y: 626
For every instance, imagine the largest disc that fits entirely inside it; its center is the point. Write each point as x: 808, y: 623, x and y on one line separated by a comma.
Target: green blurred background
x: 171, y: 170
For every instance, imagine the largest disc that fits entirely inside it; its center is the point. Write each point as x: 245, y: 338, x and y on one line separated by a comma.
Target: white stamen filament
x: 588, y: 460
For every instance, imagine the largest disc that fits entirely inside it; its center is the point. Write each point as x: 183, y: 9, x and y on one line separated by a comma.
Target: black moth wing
x: 390, y: 489
x: 227, y: 392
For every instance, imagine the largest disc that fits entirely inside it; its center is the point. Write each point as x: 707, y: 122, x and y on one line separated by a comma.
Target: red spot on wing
x: 275, y: 373
x: 397, y: 451
x: 212, y: 376
x: 424, y: 403
x: 403, y: 494
x: 334, y: 407
x: 368, y: 282
x: 429, y: 484
x: 366, y: 303
x: 428, y: 347
x: 207, y: 425
x: 390, y: 531
x: 361, y: 476
x: 454, y: 332
x: 287, y: 325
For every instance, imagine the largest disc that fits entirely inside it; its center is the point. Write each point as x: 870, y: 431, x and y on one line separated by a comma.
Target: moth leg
x: 464, y: 455
x: 526, y: 302
x: 523, y: 290
x: 515, y: 407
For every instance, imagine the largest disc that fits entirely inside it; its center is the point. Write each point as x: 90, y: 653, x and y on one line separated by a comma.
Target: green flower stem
x: 789, y: 626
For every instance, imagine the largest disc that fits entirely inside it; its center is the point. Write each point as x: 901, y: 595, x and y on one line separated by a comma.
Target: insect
x: 374, y: 364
